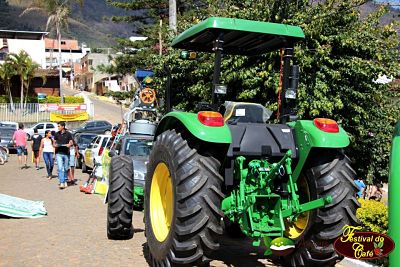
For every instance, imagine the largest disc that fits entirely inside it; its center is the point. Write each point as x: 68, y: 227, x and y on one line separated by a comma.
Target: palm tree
x: 58, y: 12
x: 24, y: 67
x: 6, y: 73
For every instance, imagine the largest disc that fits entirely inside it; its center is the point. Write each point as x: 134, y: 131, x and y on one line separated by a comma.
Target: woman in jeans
x: 46, y: 146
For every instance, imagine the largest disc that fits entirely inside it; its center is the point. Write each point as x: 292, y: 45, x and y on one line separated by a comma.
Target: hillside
x: 86, y: 23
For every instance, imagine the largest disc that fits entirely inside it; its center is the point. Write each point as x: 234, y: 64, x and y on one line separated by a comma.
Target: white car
x: 42, y: 127
x: 94, y: 151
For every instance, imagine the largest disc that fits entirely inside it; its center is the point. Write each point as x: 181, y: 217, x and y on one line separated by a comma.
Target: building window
x: 90, y: 62
x: 63, y: 42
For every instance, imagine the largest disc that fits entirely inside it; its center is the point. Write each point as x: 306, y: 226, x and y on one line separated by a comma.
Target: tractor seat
x: 245, y: 113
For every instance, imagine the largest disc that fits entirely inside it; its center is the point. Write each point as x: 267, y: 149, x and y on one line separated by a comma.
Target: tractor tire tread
x: 333, y: 176
x: 120, y: 198
x: 198, y: 194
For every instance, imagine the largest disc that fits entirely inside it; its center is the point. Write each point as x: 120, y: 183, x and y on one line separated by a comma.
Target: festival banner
x: 82, y: 116
x: 62, y: 107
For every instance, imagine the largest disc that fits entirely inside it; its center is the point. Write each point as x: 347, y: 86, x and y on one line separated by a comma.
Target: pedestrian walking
x: 36, y: 141
x: 48, y: 151
x: 62, y: 141
x: 20, y: 141
x: 73, y: 153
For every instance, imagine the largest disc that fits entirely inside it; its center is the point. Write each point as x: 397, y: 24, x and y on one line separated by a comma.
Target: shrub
x: 373, y: 216
x: 49, y: 99
x: 67, y: 99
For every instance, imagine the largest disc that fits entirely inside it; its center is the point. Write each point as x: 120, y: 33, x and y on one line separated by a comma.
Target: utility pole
x: 60, y: 67
x: 172, y: 15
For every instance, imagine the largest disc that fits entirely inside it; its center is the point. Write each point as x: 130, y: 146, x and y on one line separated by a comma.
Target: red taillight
x: 210, y: 118
x: 101, y: 151
x: 326, y: 125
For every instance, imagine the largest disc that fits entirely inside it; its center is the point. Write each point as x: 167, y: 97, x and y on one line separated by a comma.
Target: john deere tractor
x: 288, y: 186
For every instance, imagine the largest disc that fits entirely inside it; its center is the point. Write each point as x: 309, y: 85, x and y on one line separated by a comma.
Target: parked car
x: 6, y: 134
x: 137, y: 147
x: 93, y: 152
x: 83, y: 140
x: 98, y: 127
x: 41, y: 127
x: 9, y: 124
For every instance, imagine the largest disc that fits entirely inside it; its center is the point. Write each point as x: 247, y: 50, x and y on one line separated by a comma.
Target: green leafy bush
x: 49, y: 99
x: 67, y: 99
x: 373, y: 216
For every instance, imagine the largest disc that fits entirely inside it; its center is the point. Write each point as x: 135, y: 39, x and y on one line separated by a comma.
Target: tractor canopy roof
x: 241, y: 37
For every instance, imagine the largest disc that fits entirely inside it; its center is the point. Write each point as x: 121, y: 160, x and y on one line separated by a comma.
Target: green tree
x: 58, y: 12
x: 6, y: 73
x: 25, y: 68
x: 340, y: 58
x: 146, y: 15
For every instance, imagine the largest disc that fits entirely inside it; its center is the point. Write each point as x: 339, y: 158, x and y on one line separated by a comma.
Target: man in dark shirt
x: 62, y: 141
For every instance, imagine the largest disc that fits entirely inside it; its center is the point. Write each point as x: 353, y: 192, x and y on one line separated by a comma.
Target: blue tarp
x: 141, y: 74
x: 21, y: 208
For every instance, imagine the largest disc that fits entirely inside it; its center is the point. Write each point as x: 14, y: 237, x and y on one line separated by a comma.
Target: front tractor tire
x: 328, y: 173
x: 182, y: 203
x: 120, y: 198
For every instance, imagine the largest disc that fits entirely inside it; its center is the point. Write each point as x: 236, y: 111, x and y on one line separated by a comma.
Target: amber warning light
x: 211, y: 118
x: 326, y: 125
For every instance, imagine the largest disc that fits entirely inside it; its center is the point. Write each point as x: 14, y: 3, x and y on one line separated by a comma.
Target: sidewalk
x: 72, y: 234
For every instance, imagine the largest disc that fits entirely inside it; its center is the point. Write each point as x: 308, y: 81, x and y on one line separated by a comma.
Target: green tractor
x: 285, y: 185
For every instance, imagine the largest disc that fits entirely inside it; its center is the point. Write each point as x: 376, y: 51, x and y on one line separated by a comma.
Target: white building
x: 71, y: 52
x: 32, y: 42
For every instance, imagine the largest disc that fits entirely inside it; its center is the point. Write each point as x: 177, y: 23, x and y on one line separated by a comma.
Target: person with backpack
x: 36, y: 141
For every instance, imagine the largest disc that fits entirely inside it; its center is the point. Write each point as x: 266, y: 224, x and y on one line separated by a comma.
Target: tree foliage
x: 22, y: 65
x: 340, y: 58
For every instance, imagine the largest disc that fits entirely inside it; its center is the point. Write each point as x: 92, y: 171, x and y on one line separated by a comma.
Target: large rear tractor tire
x: 182, y: 203
x: 120, y: 198
x: 329, y: 173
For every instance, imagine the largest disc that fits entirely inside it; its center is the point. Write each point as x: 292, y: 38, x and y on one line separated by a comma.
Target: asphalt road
x: 103, y: 109
x: 74, y: 231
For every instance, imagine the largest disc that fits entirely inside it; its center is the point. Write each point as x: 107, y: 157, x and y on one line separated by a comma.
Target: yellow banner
x: 82, y: 116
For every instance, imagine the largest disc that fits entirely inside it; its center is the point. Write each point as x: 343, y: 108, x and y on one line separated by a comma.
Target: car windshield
x: 86, y: 139
x: 138, y: 148
x: 6, y: 132
x: 8, y: 125
x: 83, y: 125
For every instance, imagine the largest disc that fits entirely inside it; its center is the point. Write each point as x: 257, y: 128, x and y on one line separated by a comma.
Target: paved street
x: 74, y: 232
x: 103, y: 110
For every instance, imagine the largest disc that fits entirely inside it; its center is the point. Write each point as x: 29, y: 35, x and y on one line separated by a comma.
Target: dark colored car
x: 82, y: 140
x: 138, y: 147
x: 97, y: 127
x: 6, y: 134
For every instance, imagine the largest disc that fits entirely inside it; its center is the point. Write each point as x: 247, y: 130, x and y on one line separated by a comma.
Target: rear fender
x: 189, y: 121
x: 308, y: 136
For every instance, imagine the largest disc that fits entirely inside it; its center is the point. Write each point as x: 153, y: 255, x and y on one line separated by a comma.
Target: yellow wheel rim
x: 295, y: 229
x: 161, y: 202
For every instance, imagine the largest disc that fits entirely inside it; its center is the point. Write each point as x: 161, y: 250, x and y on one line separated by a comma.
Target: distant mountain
x: 86, y: 23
